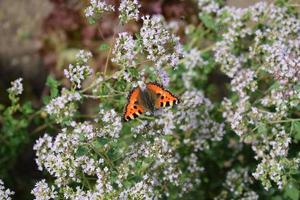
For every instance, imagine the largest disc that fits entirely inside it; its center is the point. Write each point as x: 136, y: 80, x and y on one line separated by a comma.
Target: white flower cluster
x: 125, y: 50
x: 237, y: 186
x: 156, y: 42
x: 272, y: 169
x: 5, y: 194
x: 141, y: 190
x: 230, y: 63
x: 64, y: 106
x: 59, y: 156
x: 224, y: 54
x: 192, y: 61
x: 283, y: 60
x: 200, y: 130
x: 80, y: 71
x: 161, y: 46
x: 112, y: 123
x: 129, y: 10
x: 193, y: 114
x: 86, y: 130
x: 163, y: 167
x: 42, y: 191
x: 164, y: 77
x: 76, y: 74
x: 83, y: 56
x: 193, y: 120
x: 283, y: 64
x: 193, y: 166
x: 80, y: 194
x: 16, y: 87
x: 74, y: 154
x: 243, y: 81
x: 208, y: 6
x: 97, y: 7
x: 234, y: 115
x: 193, y: 58
x: 274, y: 68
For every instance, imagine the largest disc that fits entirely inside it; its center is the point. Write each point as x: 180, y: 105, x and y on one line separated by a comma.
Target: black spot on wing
x: 135, y: 115
x: 167, y: 104
x: 140, y: 112
x: 177, y: 101
x: 161, y: 104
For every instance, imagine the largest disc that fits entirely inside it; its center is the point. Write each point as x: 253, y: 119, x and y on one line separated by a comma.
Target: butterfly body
x: 151, y: 98
x: 147, y: 99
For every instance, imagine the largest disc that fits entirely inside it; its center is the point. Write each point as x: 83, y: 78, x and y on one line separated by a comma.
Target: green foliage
x: 209, y: 21
x: 103, y: 47
x: 295, y: 129
x: 292, y: 192
x: 15, y: 120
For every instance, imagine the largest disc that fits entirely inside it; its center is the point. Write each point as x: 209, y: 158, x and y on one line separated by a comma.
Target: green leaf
x: 296, y: 130
x: 139, y: 164
x: 291, y: 192
x: 275, y: 86
x: 27, y: 108
x: 46, y: 99
x: 100, y: 142
x: 276, y: 198
x: 81, y: 151
x: 262, y: 128
x: 208, y: 21
x: 91, y: 20
x: 103, y: 47
x: 2, y: 107
x: 53, y: 84
x: 133, y: 72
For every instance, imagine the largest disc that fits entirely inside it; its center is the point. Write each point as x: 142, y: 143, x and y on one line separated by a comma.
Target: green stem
x: 284, y: 121
x: 101, y: 96
x: 294, y: 5
x: 31, y: 117
x: 147, y: 117
x: 90, y: 86
x: 86, y: 181
x: 109, y: 54
x: 40, y: 128
x: 208, y: 48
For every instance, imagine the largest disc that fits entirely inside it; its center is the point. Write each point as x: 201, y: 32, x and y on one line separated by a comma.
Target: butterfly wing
x: 133, y: 108
x: 164, y: 98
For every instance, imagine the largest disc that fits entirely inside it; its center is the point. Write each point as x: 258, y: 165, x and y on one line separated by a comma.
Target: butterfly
x: 152, y: 98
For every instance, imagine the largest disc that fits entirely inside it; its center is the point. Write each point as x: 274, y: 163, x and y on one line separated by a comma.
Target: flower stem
x: 284, y: 121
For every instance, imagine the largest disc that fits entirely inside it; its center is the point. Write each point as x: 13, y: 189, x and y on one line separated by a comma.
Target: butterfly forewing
x: 164, y: 98
x: 133, y: 108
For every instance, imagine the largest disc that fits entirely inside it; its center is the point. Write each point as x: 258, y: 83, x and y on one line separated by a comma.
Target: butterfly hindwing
x: 133, y: 108
x: 164, y: 98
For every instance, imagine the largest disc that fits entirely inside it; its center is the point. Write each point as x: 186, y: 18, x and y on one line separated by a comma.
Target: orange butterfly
x: 153, y: 97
